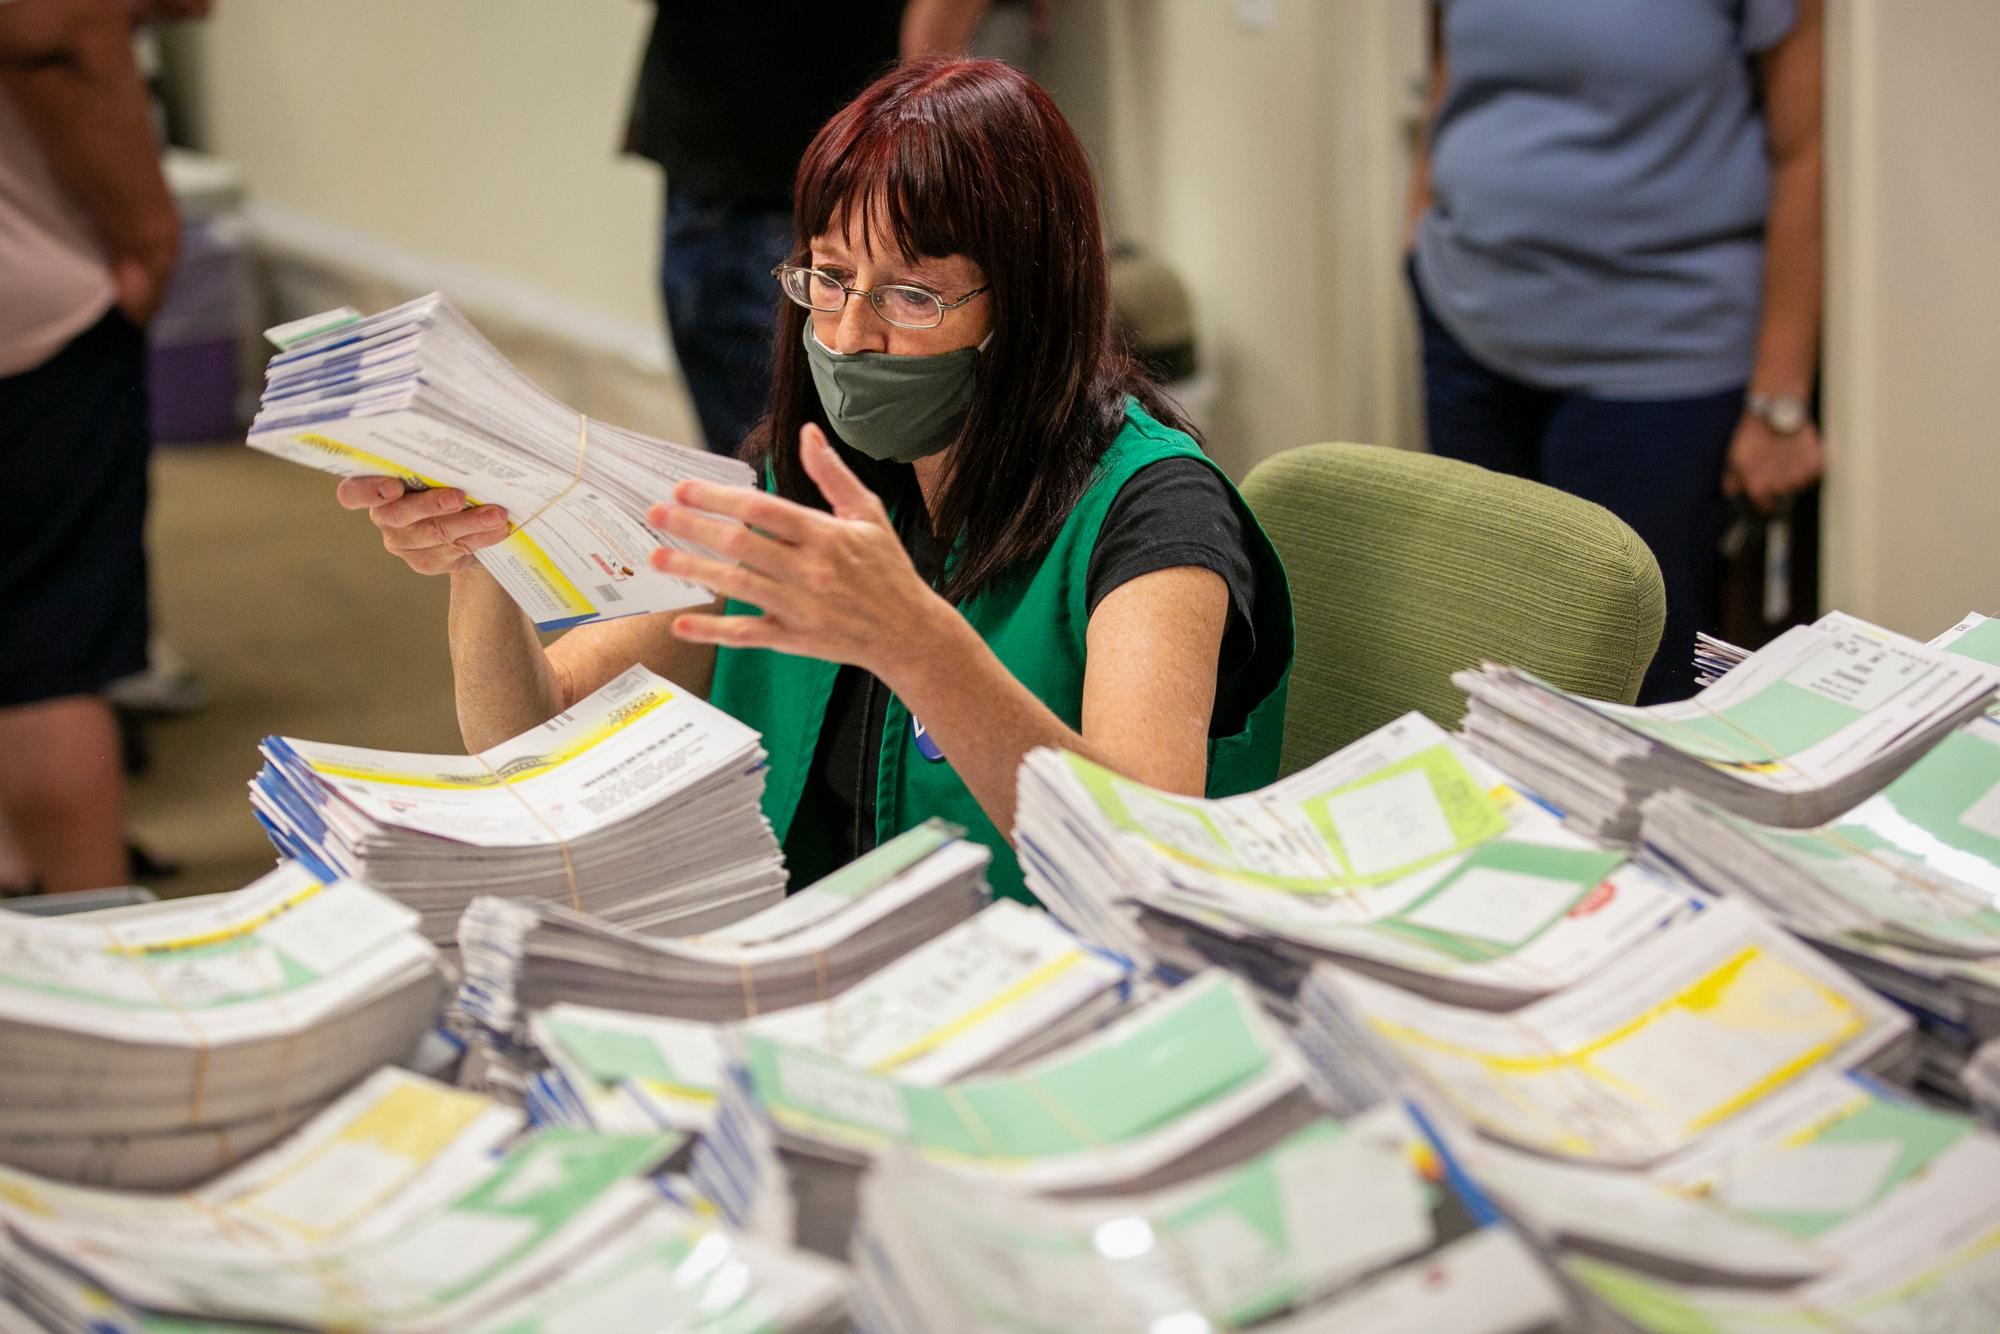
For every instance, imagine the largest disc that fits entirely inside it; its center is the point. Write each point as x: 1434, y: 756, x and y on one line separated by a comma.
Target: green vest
x: 1034, y: 620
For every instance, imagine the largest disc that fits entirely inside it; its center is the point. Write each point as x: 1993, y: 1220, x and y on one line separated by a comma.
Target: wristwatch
x: 1785, y: 414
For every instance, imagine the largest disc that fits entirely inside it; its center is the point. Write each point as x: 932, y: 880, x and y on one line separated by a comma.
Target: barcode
x: 608, y: 593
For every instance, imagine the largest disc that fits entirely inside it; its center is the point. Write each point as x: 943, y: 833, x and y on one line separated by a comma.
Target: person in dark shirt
x: 983, y: 529
x: 727, y: 98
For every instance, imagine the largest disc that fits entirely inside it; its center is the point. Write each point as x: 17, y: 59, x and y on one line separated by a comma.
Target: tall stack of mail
x: 1822, y: 717
x: 1974, y: 636
x: 640, y: 805
x: 1403, y: 854
x: 156, y: 1046
x: 1903, y: 890
x: 1190, y: 1082
x: 999, y: 989
x: 391, y: 1210
x: 1349, y: 1227
x: 1831, y: 1207
x: 1631, y: 1064
x: 520, y: 956
x: 415, y: 393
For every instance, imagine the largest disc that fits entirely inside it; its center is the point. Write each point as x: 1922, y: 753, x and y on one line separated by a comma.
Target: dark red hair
x: 971, y: 157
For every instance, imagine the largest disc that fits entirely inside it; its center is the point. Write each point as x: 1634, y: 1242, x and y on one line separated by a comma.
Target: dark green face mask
x: 892, y: 408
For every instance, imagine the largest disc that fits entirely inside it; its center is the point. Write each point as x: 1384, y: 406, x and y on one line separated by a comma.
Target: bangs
x: 890, y: 175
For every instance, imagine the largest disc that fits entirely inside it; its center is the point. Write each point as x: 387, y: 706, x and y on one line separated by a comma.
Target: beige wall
x: 1266, y: 163
x: 481, y: 132
x: 1913, y: 375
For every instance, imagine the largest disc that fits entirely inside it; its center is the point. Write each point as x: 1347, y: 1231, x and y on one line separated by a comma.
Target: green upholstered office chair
x: 1406, y: 567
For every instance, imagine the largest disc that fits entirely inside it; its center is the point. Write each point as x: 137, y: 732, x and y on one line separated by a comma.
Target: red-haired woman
x: 983, y: 530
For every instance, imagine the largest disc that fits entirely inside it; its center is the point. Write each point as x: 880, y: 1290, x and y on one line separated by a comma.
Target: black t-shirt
x: 1171, y: 513
x: 730, y: 92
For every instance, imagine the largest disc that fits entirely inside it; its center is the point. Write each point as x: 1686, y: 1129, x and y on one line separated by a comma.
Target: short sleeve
x: 1178, y: 512
x: 1762, y: 24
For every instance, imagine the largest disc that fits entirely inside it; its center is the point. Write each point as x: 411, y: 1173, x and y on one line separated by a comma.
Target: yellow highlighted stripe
x: 610, y: 727
x: 218, y: 936
x: 522, y: 547
x: 979, y: 1014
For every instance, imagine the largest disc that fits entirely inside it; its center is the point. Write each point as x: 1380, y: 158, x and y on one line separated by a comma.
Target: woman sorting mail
x: 982, y: 529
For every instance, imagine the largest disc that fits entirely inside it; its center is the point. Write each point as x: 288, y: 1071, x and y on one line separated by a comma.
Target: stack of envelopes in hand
x: 1403, y: 855
x: 1822, y: 717
x: 1192, y: 1081
x: 520, y: 956
x: 1314, y: 1228
x: 155, y: 1046
x: 1903, y: 890
x: 1001, y: 988
x: 415, y: 393
x: 639, y: 805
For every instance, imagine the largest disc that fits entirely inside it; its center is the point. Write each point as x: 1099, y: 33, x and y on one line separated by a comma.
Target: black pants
x: 1655, y: 463
x: 73, y: 455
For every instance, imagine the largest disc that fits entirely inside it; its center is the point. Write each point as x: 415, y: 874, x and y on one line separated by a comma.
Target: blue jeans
x: 1655, y: 463
x: 722, y: 307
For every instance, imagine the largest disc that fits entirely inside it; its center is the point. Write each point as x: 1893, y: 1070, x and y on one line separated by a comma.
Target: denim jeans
x: 1655, y: 463
x: 716, y: 259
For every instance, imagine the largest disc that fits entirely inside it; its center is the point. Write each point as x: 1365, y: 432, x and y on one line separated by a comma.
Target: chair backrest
x: 1406, y: 567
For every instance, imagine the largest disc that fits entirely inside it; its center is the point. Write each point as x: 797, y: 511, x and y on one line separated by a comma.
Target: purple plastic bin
x: 192, y: 392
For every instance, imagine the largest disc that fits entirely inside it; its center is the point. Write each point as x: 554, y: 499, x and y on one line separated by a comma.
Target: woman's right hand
x: 432, y: 531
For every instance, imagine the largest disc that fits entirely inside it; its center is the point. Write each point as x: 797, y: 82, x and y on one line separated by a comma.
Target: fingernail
x: 660, y: 557
x: 657, y: 516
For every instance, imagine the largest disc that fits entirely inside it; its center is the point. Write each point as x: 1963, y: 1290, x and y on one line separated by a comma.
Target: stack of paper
x: 1278, y: 1235
x: 1627, y: 1066
x: 1402, y: 854
x: 1788, y: 1210
x: 1191, y: 1082
x: 1097, y: 847
x: 994, y: 991
x: 1901, y: 1203
x: 1487, y: 1283
x: 416, y: 393
x: 1975, y: 636
x: 674, y: 1271
x: 159, y: 1045
x: 1820, y: 718
x: 506, y: 1228
x: 1981, y: 1077
x: 814, y: 945
x: 386, y: 1151
x: 1904, y: 889
x: 639, y: 805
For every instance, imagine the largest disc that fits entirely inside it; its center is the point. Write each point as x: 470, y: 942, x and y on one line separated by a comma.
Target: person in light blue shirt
x: 1616, y: 251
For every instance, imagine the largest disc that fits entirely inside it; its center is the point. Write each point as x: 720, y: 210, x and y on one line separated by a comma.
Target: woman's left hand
x: 1765, y: 467
x: 837, y: 586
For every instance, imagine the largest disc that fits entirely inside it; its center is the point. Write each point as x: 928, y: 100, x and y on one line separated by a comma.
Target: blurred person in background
x: 1616, y: 252
x: 88, y: 235
x: 729, y: 131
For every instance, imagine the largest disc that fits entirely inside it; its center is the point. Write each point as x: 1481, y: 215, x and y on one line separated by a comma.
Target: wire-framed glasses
x: 899, y: 304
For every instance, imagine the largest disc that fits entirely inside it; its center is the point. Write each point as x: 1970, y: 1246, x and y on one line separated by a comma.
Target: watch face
x: 1787, y: 415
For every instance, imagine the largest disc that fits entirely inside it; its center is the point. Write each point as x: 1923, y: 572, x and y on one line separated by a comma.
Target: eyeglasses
x: 899, y: 304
